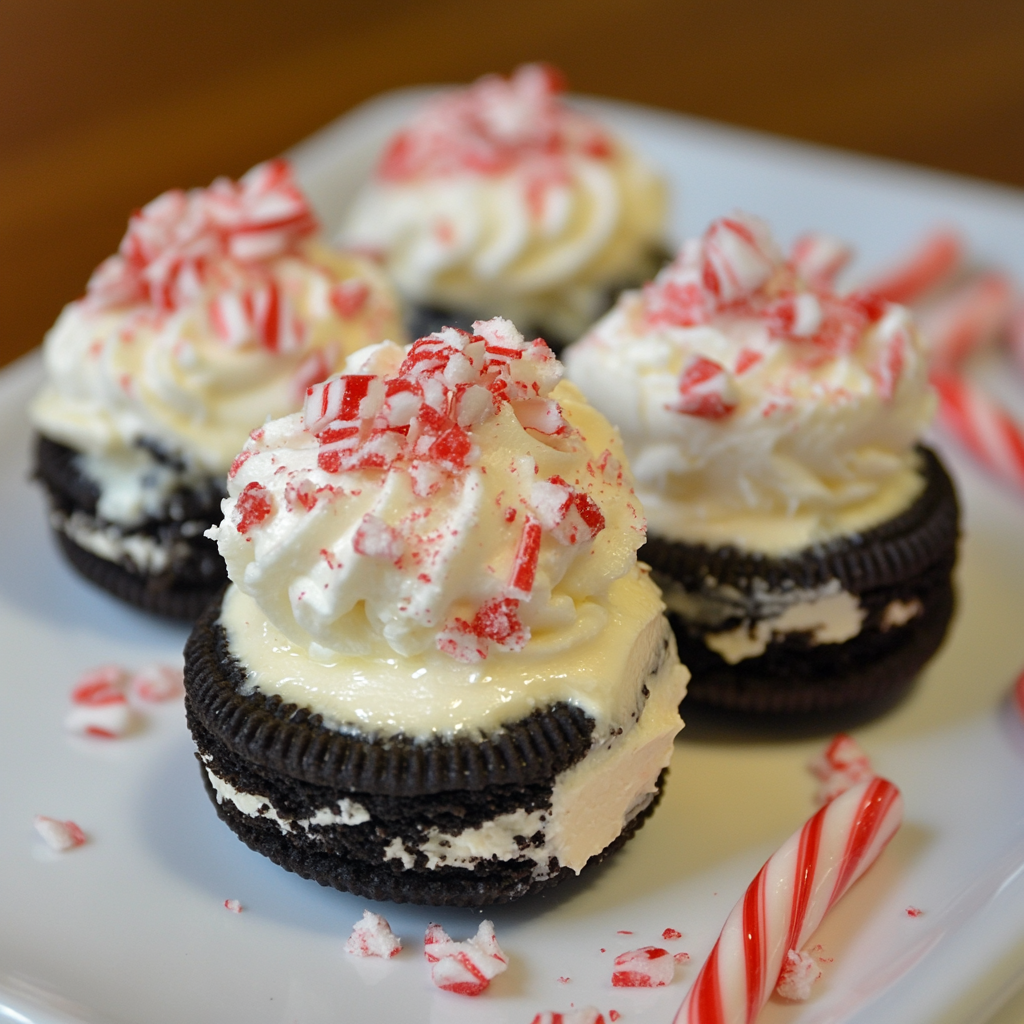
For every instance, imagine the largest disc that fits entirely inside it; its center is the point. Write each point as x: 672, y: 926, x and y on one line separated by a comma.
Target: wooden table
x: 104, y: 105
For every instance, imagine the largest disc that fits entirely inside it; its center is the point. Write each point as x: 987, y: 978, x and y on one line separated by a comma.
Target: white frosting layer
x: 591, y: 802
x: 505, y: 534
x: 758, y: 409
x: 199, y: 329
x: 499, y: 198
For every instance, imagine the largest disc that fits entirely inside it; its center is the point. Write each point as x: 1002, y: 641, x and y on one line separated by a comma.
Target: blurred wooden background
x: 105, y: 103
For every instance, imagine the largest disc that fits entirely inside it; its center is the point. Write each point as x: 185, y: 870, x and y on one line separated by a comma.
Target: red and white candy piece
x: 839, y: 767
x: 154, y: 684
x: 935, y: 258
x: 706, y: 390
x: 233, y: 905
x: 970, y: 317
x: 647, y: 967
x: 787, y: 901
x: 465, y: 968
x: 99, y: 706
x: 981, y: 425
x: 372, y: 936
x: 58, y: 835
x: 799, y: 973
x: 819, y: 258
x: 586, y: 1015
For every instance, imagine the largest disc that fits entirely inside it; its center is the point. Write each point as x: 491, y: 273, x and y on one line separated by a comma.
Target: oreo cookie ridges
x: 221, y: 306
x: 439, y: 674
x: 501, y: 198
x: 804, y: 541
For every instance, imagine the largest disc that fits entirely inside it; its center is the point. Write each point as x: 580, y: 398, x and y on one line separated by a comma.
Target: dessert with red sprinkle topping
x: 501, y: 197
x: 467, y: 686
x: 221, y: 306
x: 803, y: 538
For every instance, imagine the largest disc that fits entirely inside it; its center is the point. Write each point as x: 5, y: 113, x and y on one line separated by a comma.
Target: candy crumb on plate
x: 233, y: 905
x: 59, y: 835
x: 671, y: 933
x: 914, y: 911
x: 154, y: 684
x: 839, y: 767
x: 586, y: 1015
x: 799, y: 973
x: 647, y: 967
x: 372, y: 936
x: 465, y: 968
x: 99, y: 707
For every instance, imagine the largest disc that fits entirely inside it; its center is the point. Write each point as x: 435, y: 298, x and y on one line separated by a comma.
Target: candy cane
x: 788, y: 899
x: 970, y: 317
x: 981, y: 425
x: 931, y: 262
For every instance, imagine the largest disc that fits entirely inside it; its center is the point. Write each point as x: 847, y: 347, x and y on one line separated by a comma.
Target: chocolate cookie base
x: 404, y: 789
x: 797, y: 686
x: 321, y: 857
x: 196, y: 572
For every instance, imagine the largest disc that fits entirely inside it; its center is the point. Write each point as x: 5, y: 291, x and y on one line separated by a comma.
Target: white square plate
x: 132, y: 928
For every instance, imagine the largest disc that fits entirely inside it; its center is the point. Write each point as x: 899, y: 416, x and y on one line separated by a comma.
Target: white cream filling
x: 255, y: 806
x: 591, y: 802
x: 133, y: 485
x: 830, y: 614
x: 147, y: 553
x: 899, y: 613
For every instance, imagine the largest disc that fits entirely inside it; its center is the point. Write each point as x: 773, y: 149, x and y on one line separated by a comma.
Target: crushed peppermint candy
x: 372, y: 936
x: 671, y: 933
x: 798, y: 976
x: 914, y: 912
x: 736, y: 271
x: 234, y: 906
x: 841, y: 766
x: 465, y: 968
x: 174, y: 244
x: 585, y: 1015
x: 647, y: 967
x: 493, y: 126
x: 99, y: 707
x: 154, y: 684
x: 59, y: 835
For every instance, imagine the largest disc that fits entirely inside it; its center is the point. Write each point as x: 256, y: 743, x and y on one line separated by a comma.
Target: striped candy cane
x: 981, y: 425
x: 788, y: 899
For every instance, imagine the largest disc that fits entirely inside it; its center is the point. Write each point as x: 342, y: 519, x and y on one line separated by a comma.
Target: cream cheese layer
x: 759, y: 408
x: 599, y: 664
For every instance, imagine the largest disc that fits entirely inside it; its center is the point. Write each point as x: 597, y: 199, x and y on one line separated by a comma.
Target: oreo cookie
x: 823, y: 639
x: 458, y: 822
x: 162, y: 564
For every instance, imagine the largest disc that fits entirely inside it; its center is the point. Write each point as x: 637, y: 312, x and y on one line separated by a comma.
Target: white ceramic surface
x: 132, y: 928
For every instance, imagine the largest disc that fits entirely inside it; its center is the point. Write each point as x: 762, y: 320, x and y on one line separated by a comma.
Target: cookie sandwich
x: 502, y: 198
x: 803, y: 536
x: 220, y: 308
x: 439, y: 674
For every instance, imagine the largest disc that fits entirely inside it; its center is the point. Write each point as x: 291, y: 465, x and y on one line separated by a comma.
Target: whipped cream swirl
x: 758, y: 407
x: 451, y: 497
x: 220, y: 307
x: 501, y: 198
